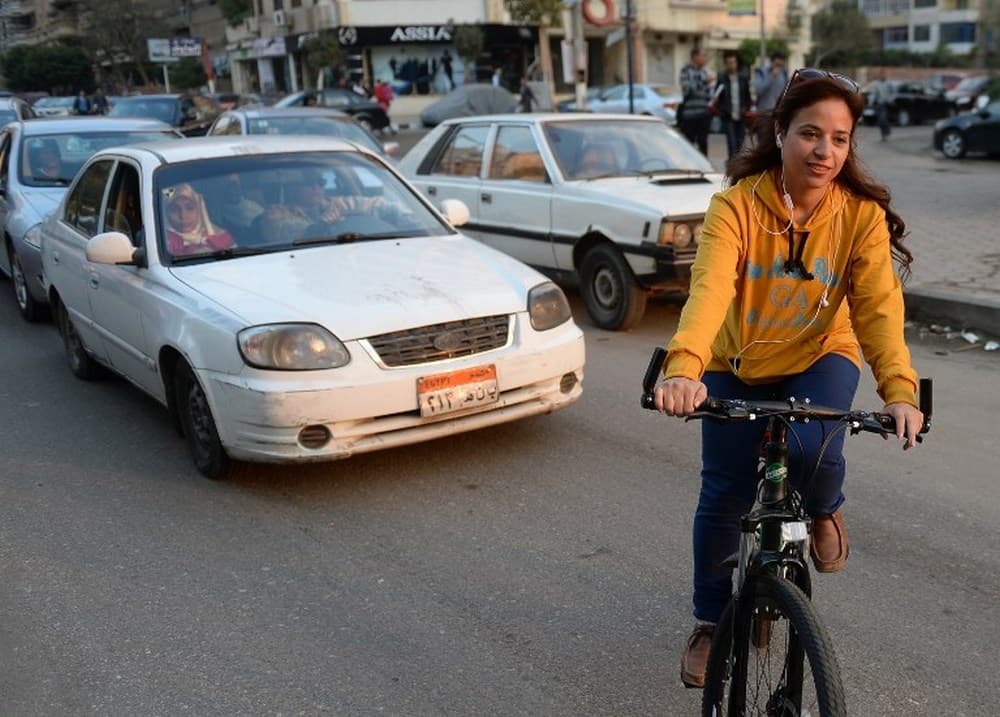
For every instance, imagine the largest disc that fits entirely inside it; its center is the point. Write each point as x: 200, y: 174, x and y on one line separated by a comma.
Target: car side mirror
x: 982, y: 101
x: 111, y: 248
x: 455, y: 211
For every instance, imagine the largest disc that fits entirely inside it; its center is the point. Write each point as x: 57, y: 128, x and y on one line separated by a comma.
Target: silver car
x: 647, y: 99
x: 38, y: 161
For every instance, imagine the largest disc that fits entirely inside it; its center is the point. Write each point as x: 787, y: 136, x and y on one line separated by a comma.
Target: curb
x: 954, y: 308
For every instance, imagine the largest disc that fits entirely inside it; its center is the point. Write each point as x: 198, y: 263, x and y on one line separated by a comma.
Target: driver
x: 45, y: 160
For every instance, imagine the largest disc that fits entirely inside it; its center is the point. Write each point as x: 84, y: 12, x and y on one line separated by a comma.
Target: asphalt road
x: 540, y: 568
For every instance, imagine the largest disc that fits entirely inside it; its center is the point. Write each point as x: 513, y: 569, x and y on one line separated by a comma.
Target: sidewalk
x: 950, y: 209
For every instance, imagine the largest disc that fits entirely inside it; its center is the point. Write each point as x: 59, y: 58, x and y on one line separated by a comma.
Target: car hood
x: 673, y: 195
x: 367, y: 288
x: 42, y: 200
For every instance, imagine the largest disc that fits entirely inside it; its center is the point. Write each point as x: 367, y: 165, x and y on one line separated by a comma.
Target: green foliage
x: 322, y: 50
x: 749, y: 50
x: 234, y: 11
x: 842, y: 35
x: 469, y: 42
x: 534, y: 12
x: 187, y: 74
x: 47, y: 67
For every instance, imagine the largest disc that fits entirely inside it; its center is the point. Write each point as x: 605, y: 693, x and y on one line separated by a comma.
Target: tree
x: 543, y: 13
x: 234, y: 11
x: 321, y: 51
x: 469, y: 42
x: 188, y: 74
x: 841, y: 34
x: 749, y: 49
x: 59, y: 68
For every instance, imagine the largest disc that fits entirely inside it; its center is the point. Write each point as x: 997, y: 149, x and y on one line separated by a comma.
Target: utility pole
x: 628, y: 56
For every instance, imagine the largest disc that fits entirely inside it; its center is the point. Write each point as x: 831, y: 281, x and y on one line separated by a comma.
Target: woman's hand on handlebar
x: 909, y: 421
x: 680, y: 396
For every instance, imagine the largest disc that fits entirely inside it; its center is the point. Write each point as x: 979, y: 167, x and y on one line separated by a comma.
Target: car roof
x: 552, y: 116
x: 193, y: 148
x: 160, y: 96
x: 264, y: 112
x: 53, y: 125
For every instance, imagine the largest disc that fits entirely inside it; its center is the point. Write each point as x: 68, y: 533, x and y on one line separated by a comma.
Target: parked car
x: 299, y: 120
x: 54, y: 106
x: 647, y: 99
x: 910, y: 103
x: 964, y: 95
x: 977, y: 131
x: 40, y: 159
x: 365, y: 110
x: 348, y: 316
x: 612, y: 202
x: 14, y: 108
x: 591, y: 94
x: 192, y: 115
x: 468, y: 101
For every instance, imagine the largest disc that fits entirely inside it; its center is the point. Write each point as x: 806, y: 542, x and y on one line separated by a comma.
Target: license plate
x: 455, y: 390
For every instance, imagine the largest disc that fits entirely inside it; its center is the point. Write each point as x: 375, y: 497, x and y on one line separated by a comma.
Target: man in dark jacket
x: 731, y: 101
x: 696, y: 87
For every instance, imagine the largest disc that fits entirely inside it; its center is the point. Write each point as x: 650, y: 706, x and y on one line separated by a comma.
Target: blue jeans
x: 729, y: 453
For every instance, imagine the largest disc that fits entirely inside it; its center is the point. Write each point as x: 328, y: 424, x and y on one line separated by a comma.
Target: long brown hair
x: 764, y: 153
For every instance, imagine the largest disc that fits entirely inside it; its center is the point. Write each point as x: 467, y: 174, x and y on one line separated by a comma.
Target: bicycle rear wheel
x: 791, y: 669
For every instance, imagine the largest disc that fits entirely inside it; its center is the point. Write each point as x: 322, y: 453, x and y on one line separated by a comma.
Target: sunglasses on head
x: 183, y: 204
x: 811, y: 73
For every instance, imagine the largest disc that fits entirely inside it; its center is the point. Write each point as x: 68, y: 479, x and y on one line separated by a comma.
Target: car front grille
x: 442, y: 341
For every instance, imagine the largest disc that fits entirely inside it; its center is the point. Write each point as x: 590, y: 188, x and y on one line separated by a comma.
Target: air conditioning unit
x: 280, y: 19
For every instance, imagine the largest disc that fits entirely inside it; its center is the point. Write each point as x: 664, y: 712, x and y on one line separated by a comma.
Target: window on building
x: 958, y: 32
x: 896, y: 35
x: 924, y: 3
x: 921, y: 33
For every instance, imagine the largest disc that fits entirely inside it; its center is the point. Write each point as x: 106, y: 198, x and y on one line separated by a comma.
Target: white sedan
x: 612, y: 202
x: 294, y: 303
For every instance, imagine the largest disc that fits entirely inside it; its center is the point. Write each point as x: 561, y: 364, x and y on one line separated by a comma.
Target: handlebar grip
x: 652, y: 372
x: 926, y: 400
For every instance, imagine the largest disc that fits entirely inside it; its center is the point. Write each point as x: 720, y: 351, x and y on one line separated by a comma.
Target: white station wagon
x: 298, y: 302
x: 614, y: 203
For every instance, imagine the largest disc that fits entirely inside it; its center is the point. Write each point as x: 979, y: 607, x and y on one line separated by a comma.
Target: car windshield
x: 594, y: 149
x: 53, y: 159
x: 225, y: 207
x: 55, y: 102
x: 324, y: 125
x: 164, y: 110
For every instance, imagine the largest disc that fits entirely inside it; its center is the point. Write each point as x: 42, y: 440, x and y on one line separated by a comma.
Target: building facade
x: 923, y: 25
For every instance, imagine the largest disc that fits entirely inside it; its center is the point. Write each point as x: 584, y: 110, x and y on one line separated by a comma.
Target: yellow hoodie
x: 746, y: 314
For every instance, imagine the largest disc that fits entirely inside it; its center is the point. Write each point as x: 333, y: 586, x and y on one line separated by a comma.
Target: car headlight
x: 547, y: 307
x: 680, y: 234
x: 33, y: 237
x: 292, y: 347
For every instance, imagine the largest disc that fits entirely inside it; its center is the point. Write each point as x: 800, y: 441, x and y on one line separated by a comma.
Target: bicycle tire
x: 797, y: 639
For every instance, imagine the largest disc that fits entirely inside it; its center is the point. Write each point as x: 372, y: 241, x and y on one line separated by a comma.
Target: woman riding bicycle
x: 793, y: 280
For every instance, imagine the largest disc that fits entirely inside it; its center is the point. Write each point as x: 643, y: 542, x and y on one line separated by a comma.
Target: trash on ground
x: 991, y: 346
x: 970, y: 337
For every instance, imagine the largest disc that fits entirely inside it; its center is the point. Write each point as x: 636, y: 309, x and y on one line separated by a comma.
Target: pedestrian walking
x: 731, y: 100
x: 81, y: 105
x: 384, y: 96
x: 100, y: 102
x: 696, y: 86
x: 526, y: 101
x: 879, y: 96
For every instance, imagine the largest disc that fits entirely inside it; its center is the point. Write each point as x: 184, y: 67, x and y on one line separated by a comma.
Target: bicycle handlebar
x: 740, y: 410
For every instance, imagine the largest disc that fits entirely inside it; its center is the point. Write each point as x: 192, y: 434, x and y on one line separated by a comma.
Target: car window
x: 516, y: 156
x: 5, y: 144
x: 463, y: 156
x: 124, y: 209
x: 272, y: 202
x: 320, y: 124
x: 54, y: 159
x: 83, y: 206
x: 615, y: 93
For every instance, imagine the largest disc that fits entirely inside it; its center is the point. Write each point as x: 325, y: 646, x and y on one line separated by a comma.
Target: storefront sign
x: 269, y: 47
x: 185, y: 46
x: 159, y: 50
x: 421, y: 33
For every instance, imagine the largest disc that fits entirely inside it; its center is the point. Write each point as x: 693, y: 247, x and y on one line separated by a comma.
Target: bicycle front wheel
x: 773, y: 660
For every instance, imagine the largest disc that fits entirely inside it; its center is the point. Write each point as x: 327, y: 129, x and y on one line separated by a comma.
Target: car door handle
x: 486, y: 197
x: 432, y: 190
x: 94, y: 282
x: 55, y: 257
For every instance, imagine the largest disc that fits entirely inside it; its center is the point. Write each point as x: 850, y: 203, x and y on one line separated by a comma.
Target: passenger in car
x: 596, y: 160
x: 45, y: 160
x: 189, y: 228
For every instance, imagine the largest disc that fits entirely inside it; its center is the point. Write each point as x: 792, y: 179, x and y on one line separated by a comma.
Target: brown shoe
x: 829, y: 548
x: 695, y: 657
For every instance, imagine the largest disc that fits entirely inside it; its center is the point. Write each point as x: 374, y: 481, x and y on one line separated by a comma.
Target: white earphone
x: 777, y: 140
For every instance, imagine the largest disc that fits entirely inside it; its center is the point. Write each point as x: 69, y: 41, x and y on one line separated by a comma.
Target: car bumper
x: 260, y: 415
x: 31, y: 264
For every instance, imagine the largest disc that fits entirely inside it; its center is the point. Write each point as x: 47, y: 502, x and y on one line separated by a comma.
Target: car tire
x: 81, y: 363
x: 904, y: 118
x: 613, y: 298
x: 30, y: 309
x: 207, y: 452
x: 953, y: 144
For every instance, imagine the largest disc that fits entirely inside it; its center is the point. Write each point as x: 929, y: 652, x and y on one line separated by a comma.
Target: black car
x: 910, y: 103
x: 977, y: 131
x: 364, y: 110
x: 192, y: 115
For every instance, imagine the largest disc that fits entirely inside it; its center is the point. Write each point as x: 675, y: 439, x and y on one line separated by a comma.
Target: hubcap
x: 606, y: 289
x: 952, y: 145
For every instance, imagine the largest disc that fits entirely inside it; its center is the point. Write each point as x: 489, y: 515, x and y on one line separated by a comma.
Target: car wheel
x: 209, y: 456
x: 80, y: 362
x: 953, y: 144
x: 30, y: 309
x: 613, y: 299
x: 366, y: 123
x: 903, y: 118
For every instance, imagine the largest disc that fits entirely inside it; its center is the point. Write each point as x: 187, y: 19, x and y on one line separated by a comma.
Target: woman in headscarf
x: 189, y: 229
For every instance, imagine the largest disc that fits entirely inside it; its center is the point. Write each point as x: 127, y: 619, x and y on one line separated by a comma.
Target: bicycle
x: 770, y: 654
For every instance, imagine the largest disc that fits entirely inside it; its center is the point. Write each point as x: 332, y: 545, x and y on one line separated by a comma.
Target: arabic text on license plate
x: 455, y: 390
